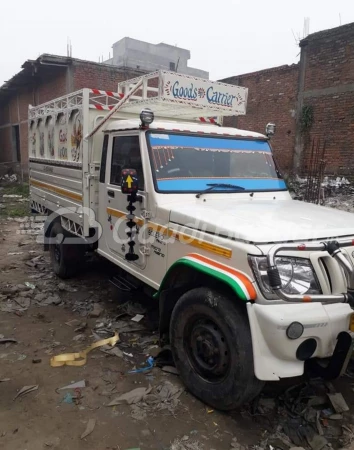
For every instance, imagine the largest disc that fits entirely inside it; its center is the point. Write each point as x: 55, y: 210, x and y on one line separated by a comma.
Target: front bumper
x: 275, y: 355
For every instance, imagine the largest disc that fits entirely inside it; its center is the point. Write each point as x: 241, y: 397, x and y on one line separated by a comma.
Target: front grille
x: 322, y: 262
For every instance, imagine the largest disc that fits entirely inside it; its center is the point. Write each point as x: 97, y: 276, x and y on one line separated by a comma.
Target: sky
x: 225, y: 37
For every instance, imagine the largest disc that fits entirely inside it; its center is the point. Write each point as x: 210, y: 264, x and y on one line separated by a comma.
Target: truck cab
x: 252, y: 286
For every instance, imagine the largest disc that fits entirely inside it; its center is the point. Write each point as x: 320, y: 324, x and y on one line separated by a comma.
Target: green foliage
x: 306, y: 119
x: 14, y: 207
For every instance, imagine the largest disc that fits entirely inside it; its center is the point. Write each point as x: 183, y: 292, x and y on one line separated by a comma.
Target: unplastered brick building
x: 42, y: 80
x: 310, y: 102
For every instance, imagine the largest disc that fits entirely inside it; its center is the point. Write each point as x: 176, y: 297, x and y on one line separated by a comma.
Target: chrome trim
x: 333, y: 249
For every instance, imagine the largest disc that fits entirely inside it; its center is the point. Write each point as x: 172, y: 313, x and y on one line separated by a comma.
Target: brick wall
x: 99, y: 76
x: 328, y: 88
x: 323, y: 80
x: 46, y: 83
x: 329, y: 58
x: 5, y: 145
x: 52, y: 84
x: 271, y: 98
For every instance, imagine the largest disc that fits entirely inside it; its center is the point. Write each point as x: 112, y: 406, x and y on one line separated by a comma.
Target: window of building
x: 16, y: 150
x: 173, y: 66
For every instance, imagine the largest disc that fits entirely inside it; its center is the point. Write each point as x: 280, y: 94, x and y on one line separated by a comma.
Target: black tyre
x: 212, y: 349
x: 66, y: 258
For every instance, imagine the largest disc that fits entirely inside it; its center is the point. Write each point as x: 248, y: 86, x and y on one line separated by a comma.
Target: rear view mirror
x: 129, y: 182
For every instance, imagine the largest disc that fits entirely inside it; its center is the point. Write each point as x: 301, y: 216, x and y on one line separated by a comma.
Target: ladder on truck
x: 180, y: 97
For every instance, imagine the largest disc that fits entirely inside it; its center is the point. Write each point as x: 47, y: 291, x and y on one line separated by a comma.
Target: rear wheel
x: 66, y: 258
x: 212, y: 349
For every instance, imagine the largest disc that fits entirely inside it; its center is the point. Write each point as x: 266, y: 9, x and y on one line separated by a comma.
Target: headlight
x: 297, y: 275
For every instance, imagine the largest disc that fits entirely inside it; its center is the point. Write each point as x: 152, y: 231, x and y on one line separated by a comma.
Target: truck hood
x: 264, y: 221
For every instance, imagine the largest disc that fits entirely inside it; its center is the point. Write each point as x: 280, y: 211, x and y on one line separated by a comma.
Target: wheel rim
x: 207, y: 349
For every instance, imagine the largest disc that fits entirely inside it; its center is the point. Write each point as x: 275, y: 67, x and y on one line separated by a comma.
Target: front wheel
x: 212, y: 348
x: 66, y: 258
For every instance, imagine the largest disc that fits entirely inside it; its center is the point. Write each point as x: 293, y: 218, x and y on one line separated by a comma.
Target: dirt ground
x: 41, y: 419
x: 44, y: 419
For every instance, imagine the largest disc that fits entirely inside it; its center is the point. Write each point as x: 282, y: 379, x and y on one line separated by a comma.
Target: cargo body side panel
x: 64, y: 166
x: 57, y: 188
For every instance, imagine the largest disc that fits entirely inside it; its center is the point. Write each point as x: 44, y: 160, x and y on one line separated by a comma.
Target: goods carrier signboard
x: 200, y: 92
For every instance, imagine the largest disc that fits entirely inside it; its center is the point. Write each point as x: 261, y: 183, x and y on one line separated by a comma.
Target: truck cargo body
x: 63, y: 165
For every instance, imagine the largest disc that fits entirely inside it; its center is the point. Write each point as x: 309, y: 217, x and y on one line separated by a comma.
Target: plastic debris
x: 65, y: 287
x: 26, y: 390
x: 80, y: 358
x: 68, y: 398
x: 338, y: 402
x: 6, y: 340
x: 131, y: 397
x: 137, y: 318
x: 150, y: 365
x: 186, y: 444
x: 89, y: 428
x: 170, y: 369
x: 30, y: 285
x: 115, y: 351
x: 96, y: 311
x: 79, y: 384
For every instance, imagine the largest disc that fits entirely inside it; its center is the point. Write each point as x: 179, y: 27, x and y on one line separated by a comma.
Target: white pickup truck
x: 251, y: 285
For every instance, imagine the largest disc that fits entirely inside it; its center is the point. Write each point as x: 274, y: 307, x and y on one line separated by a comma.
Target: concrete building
x: 134, y: 54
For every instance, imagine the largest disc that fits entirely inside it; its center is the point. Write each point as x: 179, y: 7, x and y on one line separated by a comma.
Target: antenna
x: 340, y: 19
x: 69, y: 47
x: 177, y: 64
x: 306, y: 27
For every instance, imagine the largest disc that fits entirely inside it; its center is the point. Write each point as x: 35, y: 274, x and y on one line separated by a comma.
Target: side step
x: 123, y: 284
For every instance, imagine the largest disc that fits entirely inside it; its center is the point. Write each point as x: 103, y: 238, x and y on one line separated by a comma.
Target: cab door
x: 123, y: 152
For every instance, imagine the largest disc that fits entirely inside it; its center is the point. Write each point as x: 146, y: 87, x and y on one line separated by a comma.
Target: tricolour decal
x: 238, y: 281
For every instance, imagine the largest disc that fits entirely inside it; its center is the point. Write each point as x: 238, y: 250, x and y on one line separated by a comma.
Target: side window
x: 104, y: 159
x: 126, y: 155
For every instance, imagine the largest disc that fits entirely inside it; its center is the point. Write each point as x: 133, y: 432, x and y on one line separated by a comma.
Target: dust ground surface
x: 41, y: 419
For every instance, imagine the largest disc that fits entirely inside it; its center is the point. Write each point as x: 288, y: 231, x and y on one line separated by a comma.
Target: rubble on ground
x: 9, y: 178
x: 336, y: 192
x: 311, y: 415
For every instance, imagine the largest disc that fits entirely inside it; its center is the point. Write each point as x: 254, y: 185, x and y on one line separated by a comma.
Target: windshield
x: 186, y: 163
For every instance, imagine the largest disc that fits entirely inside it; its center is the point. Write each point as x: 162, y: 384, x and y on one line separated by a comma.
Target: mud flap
x: 338, y: 362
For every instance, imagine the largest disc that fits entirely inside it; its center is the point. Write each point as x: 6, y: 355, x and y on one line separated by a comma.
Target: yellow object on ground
x: 80, y: 358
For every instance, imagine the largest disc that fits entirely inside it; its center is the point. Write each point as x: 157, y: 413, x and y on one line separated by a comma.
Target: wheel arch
x: 194, y: 271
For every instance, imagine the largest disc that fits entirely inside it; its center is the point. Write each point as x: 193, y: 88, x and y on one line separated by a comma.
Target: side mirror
x: 129, y: 183
x: 270, y: 129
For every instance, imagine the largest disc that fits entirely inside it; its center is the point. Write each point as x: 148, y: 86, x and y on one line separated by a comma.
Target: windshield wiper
x: 235, y: 187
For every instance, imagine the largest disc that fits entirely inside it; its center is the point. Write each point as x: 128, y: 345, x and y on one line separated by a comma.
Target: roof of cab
x: 189, y: 127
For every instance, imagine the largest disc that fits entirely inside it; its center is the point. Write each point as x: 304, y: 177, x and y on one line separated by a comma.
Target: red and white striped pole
x: 115, y: 109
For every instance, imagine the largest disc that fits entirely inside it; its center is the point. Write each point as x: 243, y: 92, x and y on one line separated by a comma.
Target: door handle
x: 110, y: 194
